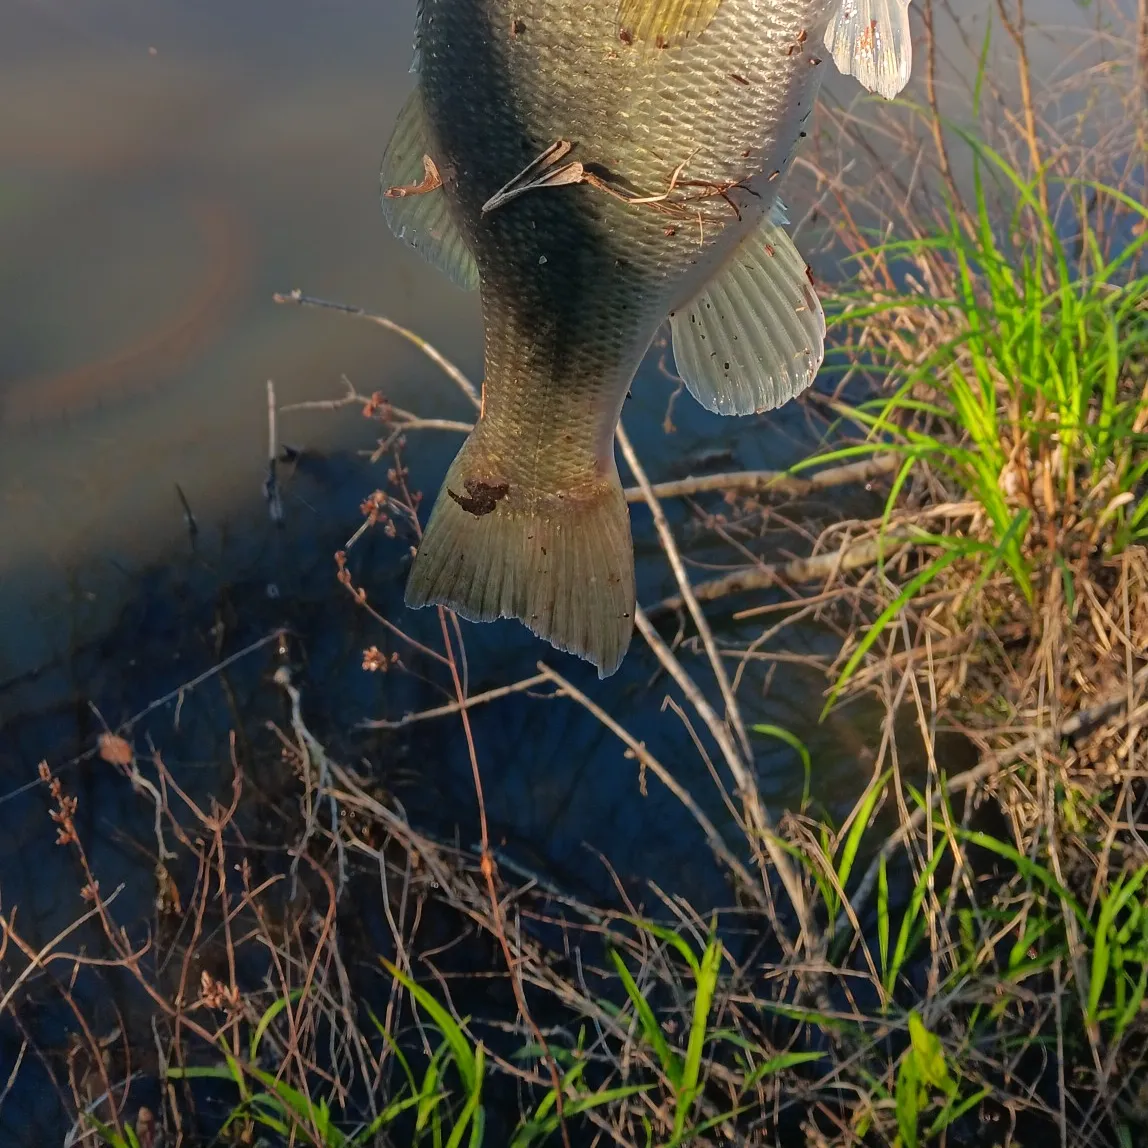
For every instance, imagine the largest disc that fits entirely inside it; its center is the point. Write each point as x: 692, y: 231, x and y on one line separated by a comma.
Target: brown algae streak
x: 228, y: 261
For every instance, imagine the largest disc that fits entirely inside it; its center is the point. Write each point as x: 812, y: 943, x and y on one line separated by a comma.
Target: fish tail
x: 560, y: 561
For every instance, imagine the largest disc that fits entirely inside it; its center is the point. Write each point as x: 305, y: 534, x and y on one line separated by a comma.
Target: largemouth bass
x: 594, y: 167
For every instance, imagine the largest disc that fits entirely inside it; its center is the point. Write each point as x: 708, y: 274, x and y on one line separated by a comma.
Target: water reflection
x: 149, y: 206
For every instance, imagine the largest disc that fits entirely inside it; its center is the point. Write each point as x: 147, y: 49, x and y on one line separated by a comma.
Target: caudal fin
x: 561, y: 562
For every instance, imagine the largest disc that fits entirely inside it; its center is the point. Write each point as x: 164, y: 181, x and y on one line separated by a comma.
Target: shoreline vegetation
x: 962, y: 960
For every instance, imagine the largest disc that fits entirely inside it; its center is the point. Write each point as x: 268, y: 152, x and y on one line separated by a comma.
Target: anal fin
x: 417, y: 210
x: 755, y: 336
x: 870, y: 39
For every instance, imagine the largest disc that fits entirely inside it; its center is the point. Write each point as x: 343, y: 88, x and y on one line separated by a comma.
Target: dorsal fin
x: 417, y: 56
x: 664, y: 23
x: 415, y: 209
x: 870, y: 39
x: 755, y: 336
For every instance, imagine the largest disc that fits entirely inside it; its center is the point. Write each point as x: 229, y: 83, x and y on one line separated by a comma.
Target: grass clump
x: 1028, y: 393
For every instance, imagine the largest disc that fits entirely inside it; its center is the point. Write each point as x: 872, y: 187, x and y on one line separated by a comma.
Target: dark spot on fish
x: 543, y: 549
x: 625, y: 35
x: 726, y: 367
x: 517, y: 28
x: 739, y: 79
x: 481, y: 497
x: 625, y: 613
x: 801, y: 135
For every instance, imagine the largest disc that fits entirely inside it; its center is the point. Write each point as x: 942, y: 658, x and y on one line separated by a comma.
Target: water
x: 164, y: 168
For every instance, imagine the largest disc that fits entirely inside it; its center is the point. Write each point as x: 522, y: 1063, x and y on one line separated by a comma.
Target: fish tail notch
x: 560, y: 562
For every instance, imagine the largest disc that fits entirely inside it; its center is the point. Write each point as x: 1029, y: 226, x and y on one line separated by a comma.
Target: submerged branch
x: 673, y: 556
x: 455, y: 707
x: 820, y: 567
x: 720, y: 849
x: 771, y: 481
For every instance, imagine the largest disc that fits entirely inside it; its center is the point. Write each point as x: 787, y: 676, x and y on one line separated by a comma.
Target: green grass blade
x: 795, y: 743
x: 667, y: 1058
x: 460, y: 1046
x: 914, y: 585
x: 706, y: 985
x: 268, y: 1018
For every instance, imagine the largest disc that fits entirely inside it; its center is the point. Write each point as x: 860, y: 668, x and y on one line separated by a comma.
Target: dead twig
x: 455, y: 706
x: 771, y: 481
x: 440, y: 360
x: 271, y: 491
x: 851, y: 556
x: 991, y: 766
x: 648, y: 761
x: 314, y: 759
x: 670, y: 548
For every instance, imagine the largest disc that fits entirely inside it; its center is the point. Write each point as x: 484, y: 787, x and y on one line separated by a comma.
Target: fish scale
x: 577, y: 277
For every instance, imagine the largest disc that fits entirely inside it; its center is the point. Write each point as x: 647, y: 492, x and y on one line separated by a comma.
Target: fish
x: 594, y: 168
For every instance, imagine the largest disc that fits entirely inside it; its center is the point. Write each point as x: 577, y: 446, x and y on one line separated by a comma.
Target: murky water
x: 163, y: 169
x: 165, y: 166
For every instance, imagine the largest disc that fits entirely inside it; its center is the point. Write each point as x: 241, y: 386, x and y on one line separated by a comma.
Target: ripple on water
x: 223, y: 250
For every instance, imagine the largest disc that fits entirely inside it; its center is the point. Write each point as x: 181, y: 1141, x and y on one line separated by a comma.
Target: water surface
x: 164, y: 167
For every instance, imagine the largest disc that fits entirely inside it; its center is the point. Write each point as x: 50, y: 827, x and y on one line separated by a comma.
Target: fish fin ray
x: 664, y: 23
x: 561, y: 565
x: 871, y: 40
x: 422, y: 218
x: 755, y: 336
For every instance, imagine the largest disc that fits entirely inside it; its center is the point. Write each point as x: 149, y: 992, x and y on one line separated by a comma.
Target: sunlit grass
x: 1034, y: 403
